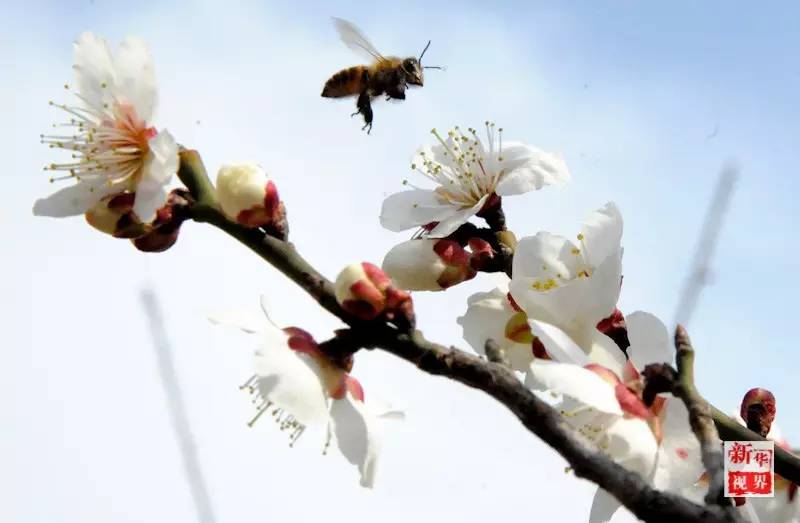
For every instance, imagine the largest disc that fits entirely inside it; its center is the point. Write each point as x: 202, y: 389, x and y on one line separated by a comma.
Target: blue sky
x: 630, y: 93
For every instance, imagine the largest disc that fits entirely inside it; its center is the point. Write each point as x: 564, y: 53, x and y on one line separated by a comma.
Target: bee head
x: 413, y: 71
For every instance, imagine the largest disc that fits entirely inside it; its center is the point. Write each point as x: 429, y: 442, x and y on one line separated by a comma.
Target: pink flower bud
x: 758, y: 410
x: 365, y: 291
x: 247, y: 195
x: 481, y: 252
x: 428, y: 264
x: 162, y: 233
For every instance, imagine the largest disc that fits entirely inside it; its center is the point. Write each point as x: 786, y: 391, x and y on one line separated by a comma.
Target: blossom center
x: 285, y: 420
x: 465, y: 168
x: 107, y: 142
x: 577, y: 267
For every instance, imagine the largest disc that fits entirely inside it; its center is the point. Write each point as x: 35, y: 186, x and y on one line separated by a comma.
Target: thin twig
x: 699, y: 417
x: 495, y: 353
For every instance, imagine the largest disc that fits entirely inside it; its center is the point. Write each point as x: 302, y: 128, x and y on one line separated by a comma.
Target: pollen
x: 105, y: 143
x: 544, y: 286
x: 580, y: 237
x: 575, y: 251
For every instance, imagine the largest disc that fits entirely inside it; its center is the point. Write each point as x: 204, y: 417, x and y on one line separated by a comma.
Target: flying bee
x: 387, y: 75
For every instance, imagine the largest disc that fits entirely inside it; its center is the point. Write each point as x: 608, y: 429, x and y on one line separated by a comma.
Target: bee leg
x: 365, y: 108
x: 398, y: 92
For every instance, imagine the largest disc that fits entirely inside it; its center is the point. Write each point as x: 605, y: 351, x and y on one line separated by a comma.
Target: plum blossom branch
x: 492, y: 378
x: 700, y: 417
x: 495, y: 353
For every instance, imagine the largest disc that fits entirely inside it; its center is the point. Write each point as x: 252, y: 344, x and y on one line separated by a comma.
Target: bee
x: 387, y: 75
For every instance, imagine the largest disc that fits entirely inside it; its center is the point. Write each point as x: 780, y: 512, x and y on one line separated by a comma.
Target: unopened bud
x: 365, y: 291
x: 481, y: 253
x: 247, y: 195
x: 162, y: 233
x: 114, y: 215
x: 758, y: 410
x: 428, y: 264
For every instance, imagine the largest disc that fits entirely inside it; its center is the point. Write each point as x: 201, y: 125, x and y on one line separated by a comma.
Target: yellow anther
x: 580, y: 237
x: 575, y: 251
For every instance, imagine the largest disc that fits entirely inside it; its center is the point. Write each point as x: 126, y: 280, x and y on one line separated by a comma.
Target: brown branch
x: 493, y: 379
x: 699, y: 417
x: 495, y: 353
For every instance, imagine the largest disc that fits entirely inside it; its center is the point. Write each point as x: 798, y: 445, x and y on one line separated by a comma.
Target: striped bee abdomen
x: 346, y: 82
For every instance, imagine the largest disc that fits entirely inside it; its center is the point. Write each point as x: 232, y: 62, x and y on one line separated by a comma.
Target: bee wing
x: 355, y: 39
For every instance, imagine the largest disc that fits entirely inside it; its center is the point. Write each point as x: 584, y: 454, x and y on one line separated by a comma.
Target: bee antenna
x: 423, y: 51
x: 434, y: 67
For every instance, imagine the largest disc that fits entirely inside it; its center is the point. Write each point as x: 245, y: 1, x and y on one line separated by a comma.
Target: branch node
x: 495, y: 353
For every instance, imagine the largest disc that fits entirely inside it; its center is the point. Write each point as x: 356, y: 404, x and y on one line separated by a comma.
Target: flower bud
x: 365, y: 291
x: 481, y: 253
x: 162, y: 233
x: 114, y: 215
x: 247, y: 195
x: 758, y: 410
x: 428, y: 264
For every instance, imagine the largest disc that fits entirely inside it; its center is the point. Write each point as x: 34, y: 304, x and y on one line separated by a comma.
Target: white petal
x: 246, y: 320
x: 649, y: 340
x: 413, y: 265
x: 545, y: 255
x: 528, y: 169
x: 160, y: 164
x: 574, y: 381
x: 559, y: 345
x: 289, y: 379
x: 449, y: 224
x: 604, y: 351
x: 632, y: 444
x: 407, y: 209
x: 73, y: 200
x: 486, y: 317
x: 135, y: 77
x: 679, y: 463
x: 94, y: 70
x: 150, y: 197
x: 602, y: 291
x: 574, y: 304
x: 560, y: 306
x: 165, y: 159
x: 358, y: 435
x: 602, y: 233
x: 604, y: 505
